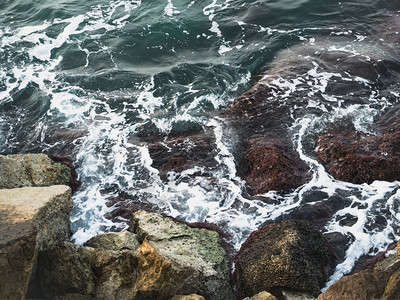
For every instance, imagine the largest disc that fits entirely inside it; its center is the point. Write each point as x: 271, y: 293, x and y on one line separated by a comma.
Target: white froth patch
x: 43, y: 51
x: 224, y: 49
x: 170, y: 9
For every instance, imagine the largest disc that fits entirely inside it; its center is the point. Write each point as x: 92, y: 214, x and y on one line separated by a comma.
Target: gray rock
x: 175, y: 259
x: 21, y: 170
x: 31, y: 219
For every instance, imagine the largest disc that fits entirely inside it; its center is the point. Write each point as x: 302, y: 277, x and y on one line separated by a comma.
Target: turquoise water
x: 87, y: 79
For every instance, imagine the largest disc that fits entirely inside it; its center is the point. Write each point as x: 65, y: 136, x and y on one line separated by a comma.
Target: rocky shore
x: 158, y: 257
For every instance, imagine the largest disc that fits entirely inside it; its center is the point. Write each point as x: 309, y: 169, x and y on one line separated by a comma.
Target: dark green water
x: 88, y: 78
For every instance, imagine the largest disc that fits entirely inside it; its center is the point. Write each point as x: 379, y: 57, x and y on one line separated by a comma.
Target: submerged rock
x: 356, y: 157
x: 180, y: 153
x: 290, y: 255
x: 273, y: 165
x: 32, y: 219
x: 21, y: 170
x: 176, y: 259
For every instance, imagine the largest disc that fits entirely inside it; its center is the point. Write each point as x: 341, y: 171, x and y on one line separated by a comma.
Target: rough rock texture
x: 31, y: 219
x: 74, y: 297
x: 273, y: 165
x: 261, y: 296
x: 290, y: 255
x: 381, y: 282
x: 114, y: 241
x: 21, y: 170
x: 188, y: 297
x: 175, y: 259
x: 159, y: 277
x: 367, y: 284
x: 72, y: 269
x: 356, y: 157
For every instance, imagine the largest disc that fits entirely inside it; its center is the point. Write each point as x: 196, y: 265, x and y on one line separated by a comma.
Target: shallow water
x: 88, y: 78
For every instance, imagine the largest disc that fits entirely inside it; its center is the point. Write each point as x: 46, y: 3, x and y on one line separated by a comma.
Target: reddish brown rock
x: 356, y: 157
x: 272, y: 165
x: 178, y: 154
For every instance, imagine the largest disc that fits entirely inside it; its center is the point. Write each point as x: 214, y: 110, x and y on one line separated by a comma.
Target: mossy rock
x: 184, y: 250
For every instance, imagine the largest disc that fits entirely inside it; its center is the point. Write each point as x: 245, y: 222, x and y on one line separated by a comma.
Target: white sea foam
x: 170, y: 9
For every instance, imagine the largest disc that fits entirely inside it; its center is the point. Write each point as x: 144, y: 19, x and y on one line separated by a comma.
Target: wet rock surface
x: 181, y: 153
x: 356, y: 157
x: 288, y: 255
x: 32, y: 219
x: 73, y: 183
x: 274, y: 165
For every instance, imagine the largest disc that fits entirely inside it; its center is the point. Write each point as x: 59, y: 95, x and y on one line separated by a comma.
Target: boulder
x: 367, y: 284
x: 380, y: 282
x: 290, y: 255
x: 31, y: 219
x: 261, y: 296
x: 175, y: 259
x: 100, y: 273
x: 21, y: 170
x: 73, y: 183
